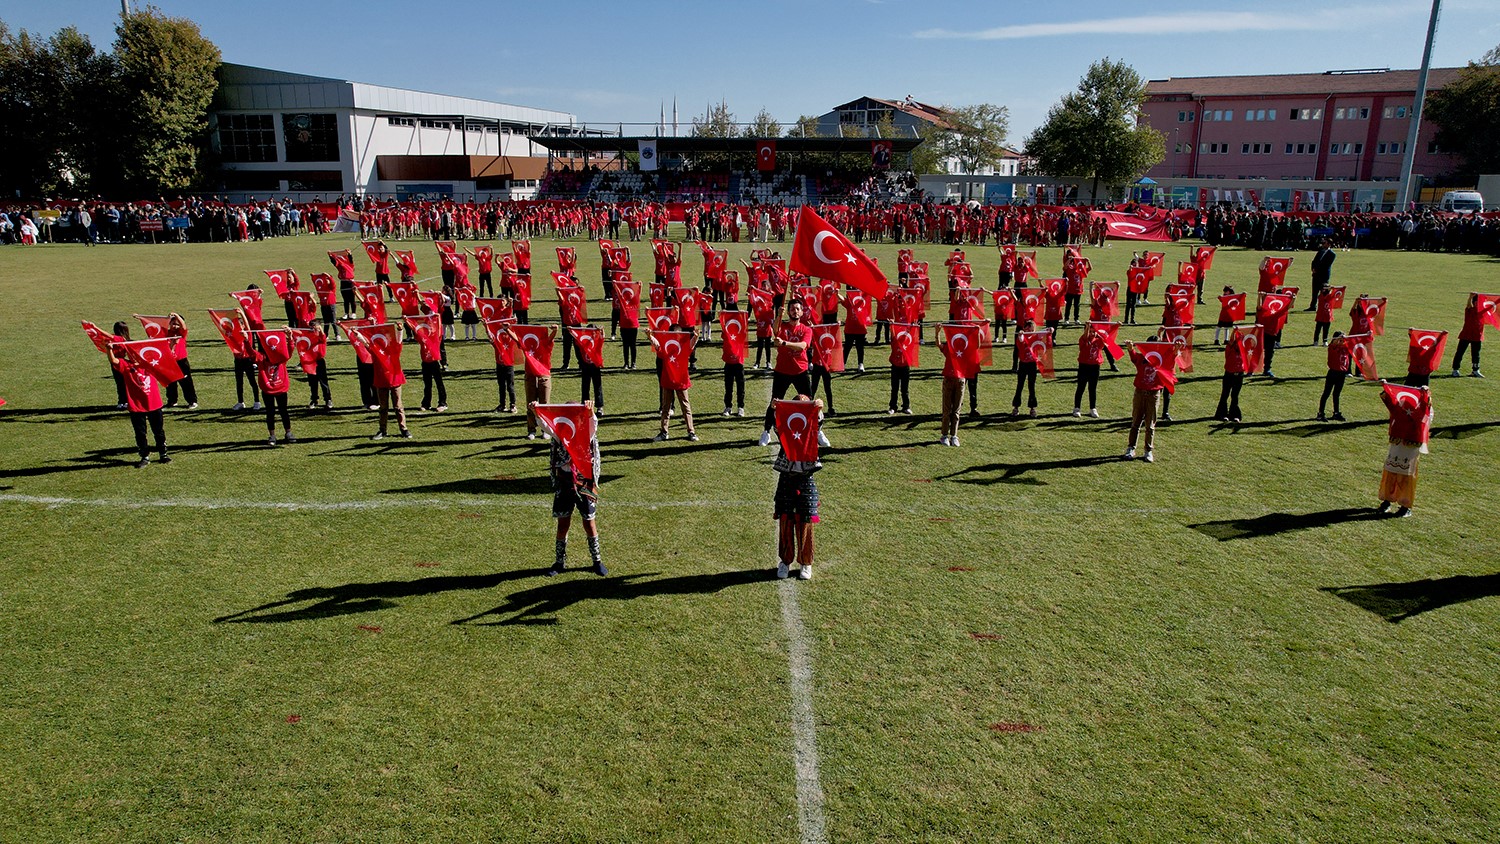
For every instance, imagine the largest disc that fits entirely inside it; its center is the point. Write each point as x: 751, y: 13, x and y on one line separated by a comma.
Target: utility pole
x: 124, y: 8
x: 1409, y: 159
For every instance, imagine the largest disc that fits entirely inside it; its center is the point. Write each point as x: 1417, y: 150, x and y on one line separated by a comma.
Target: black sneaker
x: 557, y: 569
x: 1337, y: 417
x: 600, y: 570
x: 406, y: 433
x: 164, y: 459
x: 144, y: 461
x: 1321, y: 418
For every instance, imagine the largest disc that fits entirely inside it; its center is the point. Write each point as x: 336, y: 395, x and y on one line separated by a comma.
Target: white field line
x: 804, y: 726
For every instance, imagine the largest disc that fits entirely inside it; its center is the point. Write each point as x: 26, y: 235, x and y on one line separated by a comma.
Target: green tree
x: 1467, y: 114
x: 49, y: 92
x: 976, y: 137
x: 763, y: 126
x: 1095, y: 132
x: 166, y: 76
x: 717, y: 122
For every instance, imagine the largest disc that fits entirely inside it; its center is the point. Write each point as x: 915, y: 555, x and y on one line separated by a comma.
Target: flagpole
x: 1408, y: 161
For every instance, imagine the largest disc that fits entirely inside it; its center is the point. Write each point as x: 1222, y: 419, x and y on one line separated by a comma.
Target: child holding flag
x: 142, y: 398
x: 1410, y: 424
x: 1475, y: 317
x: 1339, y: 363
x: 574, y: 486
x: 796, y: 502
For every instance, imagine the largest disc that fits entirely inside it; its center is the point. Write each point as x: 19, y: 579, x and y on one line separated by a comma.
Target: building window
x: 1338, y: 114
x: 1388, y: 112
x: 1400, y: 111
x: 1359, y: 149
x: 1244, y: 149
x: 1249, y: 114
x: 1229, y: 114
x: 1271, y: 115
x: 310, y: 137
x: 1312, y: 149
x: 247, y: 137
x: 1380, y: 150
x: 400, y: 121
x: 1433, y: 148
x: 1364, y: 114
x: 1288, y: 149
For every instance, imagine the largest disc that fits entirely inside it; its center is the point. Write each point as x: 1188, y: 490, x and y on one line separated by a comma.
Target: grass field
x: 1021, y: 639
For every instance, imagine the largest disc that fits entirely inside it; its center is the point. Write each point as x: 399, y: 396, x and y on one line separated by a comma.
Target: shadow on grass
x: 1275, y: 523
x: 541, y: 604
x: 329, y: 601
x: 1017, y: 473
x: 489, y: 486
x: 1396, y: 602
x: 1462, y: 432
x: 1293, y: 427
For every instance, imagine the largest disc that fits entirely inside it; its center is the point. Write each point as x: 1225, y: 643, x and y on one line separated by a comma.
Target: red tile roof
x: 1301, y: 84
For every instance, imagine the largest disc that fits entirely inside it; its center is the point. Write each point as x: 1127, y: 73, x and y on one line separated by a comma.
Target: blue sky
x: 619, y: 62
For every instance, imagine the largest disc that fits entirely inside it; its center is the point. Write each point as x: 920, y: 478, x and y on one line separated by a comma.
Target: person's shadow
x: 541, y: 604
x: 1274, y: 523
x: 1396, y: 602
x: 327, y: 601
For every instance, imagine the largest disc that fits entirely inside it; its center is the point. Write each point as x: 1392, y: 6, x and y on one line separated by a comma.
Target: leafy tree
x: 977, y: 137
x: 763, y: 126
x: 1096, y: 133
x: 805, y: 127
x: 1467, y: 113
x: 49, y: 91
x: 717, y: 122
x: 164, y: 83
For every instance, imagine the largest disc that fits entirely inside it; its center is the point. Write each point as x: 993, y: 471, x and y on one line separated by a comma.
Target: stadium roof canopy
x: 691, y: 144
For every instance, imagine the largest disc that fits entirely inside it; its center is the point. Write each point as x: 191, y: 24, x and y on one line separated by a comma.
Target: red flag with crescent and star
x: 1362, y: 350
x: 572, y: 307
x: 1040, y: 345
x: 492, y: 309
x: 535, y: 342
x: 1489, y: 308
x: 1252, y: 341
x: 1273, y: 310
x: 1181, y: 336
x: 1033, y: 302
x: 232, y: 327
x: 797, y: 429
x: 405, y: 294
x: 821, y: 250
x: 371, y: 300
x: 674, y: 349
x: 305, y: 306
x: 155, y: 356
x: 324, y: 286
x: 281, y: 281
x: 250, y: 305
x: 906, y: 343
x: 628, y: 303
x: 1424, y: 349
x: 963, y: 348
x: 1137, y: 278
x: 101, y: 338
x: 156, y: 326
x: 765, y: 155
x: 828, y: 338
x: 1109, y: 332
x: 505, y: 350
x: 274, y: 345
x: 1104, y: 297
x: 590, y: 343
x: 1161, y: 357
x: 660, y: 319
x: 734, y: 327
x: 383, y: 341
x: 573, y: 426
x: 1415, y: 404
x: 311, y: 347
x: 1232, y: 305
x: 1273, y: 272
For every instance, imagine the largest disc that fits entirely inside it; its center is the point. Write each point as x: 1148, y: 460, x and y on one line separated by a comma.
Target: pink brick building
x: 1338, y: 125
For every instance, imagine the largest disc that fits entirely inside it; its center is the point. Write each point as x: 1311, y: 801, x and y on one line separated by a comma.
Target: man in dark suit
x: 1322, y: 270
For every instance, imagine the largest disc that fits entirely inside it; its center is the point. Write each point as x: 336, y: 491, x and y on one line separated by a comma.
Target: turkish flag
x: 232, y: 328
x: 573, y: 426
x: 408, y: 259
x: 485, y: 255
x: 371, y: 300
x: 567, y: 259
x: 305, y: 306
x: 1273, y: 272
x: 1123, y: 226
x: 1179, y: 288
x: 1375, y: 310
x: 274, y: 344
x: 372, y: 249
x: 154, y: 326
x: 734, y: 329
x: 922, y: 285
x: 828, y: 341
x: 1032, y: 302
x: 1330, y: 300
x: 906, y: 340
x: 405, y: 294
x: 966, y: 304
x: 1415, y: 405
x: 1273, y: 311
x: 1181, y: 337
x: 797, y: 429
x: 323, y: 285
x: 1056, y: 290
x: 1202, y: 198
x: 1187, y: 272
x: 590, y: 343
x: 963, y: 348
x: 628, y: 303
x: 1424, y: 349
x: 1252, y: 339
x: 1040, y: 345
x: 1180, y: 308
x: 496, y: 330
x: 619, y: 258
x: 688, y: 305
x: 250, y: 304
x: 428, y: 330
x: 344, y: 262
x: 1154, y: 260
x: 1004, y: 303
x: 535, y: 342
x: 100, y: 338
x: 1105, y: 299
x: 383, y: 341
x: 1163, y: 358
x: 821, y: 250
x: 492, y: 309
x: 445, y: 247
x: 1233, y: 305
x: 311, y: 347
x: 763, y: 303
x: 674, y: 349
x: 1362, y: 350
x: 1026, y: 266
x: 1109, y: 332
x: 1489, y: 308
x: 433, y: 299
x: 880, y: 155
x: 1137, y: 279
x: 1203, y: 256
x: 765, y: 156
x: 661, y: 319
x: 280, y: 281
x: 155, y: 356
x: 572, y: 306
x: 522, y: 250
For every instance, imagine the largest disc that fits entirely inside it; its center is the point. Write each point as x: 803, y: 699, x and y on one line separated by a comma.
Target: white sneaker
x: 193, y: 406
x: 942, y: 440
x: 782, y: 570
x: 861, y: 369
x: 740, y: 412
x: 953, y: 441
x: 238, y: 406
x: 726, y: 411
x: 531, y: 436
x: 1455, y: 373
x: 823, y: 439
x: 372, y: 407
x: 804, y: 573
x: 1093, y: 413
x: 1150, y: 456
x: 1077, y: 412
x: 1129, y: 453
x: 765, y: 437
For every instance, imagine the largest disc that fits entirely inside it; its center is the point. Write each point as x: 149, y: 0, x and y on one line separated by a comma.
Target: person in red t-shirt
x: 675, y: 381
x: 1409, y: 429
x: 142, y: 398
x: 792, y: 340
x: 1470, y: 336
x: 1148, y: 387
x: 274, y: 385
x: 1026, y: 371
x: 1090, y: 358
x: 1339, y: 364
x: 1234, y: 379
x: 429, y: 336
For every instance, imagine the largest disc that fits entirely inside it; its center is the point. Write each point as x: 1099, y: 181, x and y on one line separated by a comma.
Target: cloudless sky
x: 621, y: 62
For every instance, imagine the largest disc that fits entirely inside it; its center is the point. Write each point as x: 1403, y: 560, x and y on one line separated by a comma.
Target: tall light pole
x: 1409, y: 159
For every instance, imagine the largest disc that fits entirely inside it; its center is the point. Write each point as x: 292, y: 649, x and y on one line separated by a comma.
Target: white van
x: 1462, y: 201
